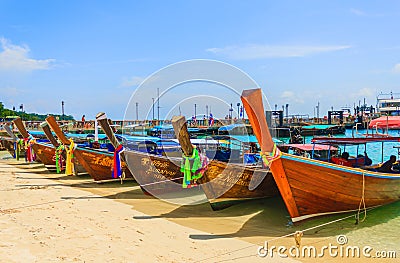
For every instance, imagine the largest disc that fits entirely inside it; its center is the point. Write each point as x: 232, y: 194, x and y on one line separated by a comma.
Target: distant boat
x: 385, y: 122
x: 388, y: 104
x: 313, y: 188
x: 322, y: 129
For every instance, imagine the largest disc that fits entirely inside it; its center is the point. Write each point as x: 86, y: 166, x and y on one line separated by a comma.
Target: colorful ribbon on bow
x: 69, y: 163
x: 193, y: 167
x: 268, y: 158
x: 59, y: 159
x: 17, y: 148
x: 117, y: 169
x: 30, y: 154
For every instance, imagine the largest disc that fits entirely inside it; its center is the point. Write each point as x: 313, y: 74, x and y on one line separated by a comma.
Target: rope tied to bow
x: 269, y: 157
x: 362, y: 202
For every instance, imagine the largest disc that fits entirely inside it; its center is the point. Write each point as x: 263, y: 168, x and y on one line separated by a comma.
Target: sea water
x: 376, y: 151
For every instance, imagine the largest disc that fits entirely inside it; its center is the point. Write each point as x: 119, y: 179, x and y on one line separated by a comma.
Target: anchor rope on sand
x: 297, y: 238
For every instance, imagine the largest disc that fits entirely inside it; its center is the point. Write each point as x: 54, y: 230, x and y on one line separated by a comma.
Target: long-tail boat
x: 9, y: 145
x: 155, y: 174
x: 46, y: 151
x: 31, y: 148
x: 97, y: 163
x: 312, y: 188
x: 226, y: 183
x: 7, y: 141
x: 13, y: 144
x: 223, y: 183
x: 61, y: 155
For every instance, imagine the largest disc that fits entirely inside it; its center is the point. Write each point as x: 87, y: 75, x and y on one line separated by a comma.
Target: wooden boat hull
x: 223, y: 184
x: 313, y: 188
x: 155, y: 174
x: 98, y: 164
x: 8, y: 144
x: 2, y: 147
x: 46, y: 153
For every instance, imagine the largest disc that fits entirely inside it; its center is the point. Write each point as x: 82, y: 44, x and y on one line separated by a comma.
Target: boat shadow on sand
x: 261, y: 217
x: 274, y: 223
x: 257, y: 218
x: 269, y: 217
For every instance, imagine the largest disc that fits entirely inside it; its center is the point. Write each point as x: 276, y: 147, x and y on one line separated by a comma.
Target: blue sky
x: 94, y: 54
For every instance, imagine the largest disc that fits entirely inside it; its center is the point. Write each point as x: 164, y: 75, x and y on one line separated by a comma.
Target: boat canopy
x: 353, y: 141
x: 137, y: 138
x: 199, y: 141
x: 231, y: 127
x: 391, y: 122
x: 163, y: 127
x: 36, y: 133
x: 311, y: 146
x: 318, y: 127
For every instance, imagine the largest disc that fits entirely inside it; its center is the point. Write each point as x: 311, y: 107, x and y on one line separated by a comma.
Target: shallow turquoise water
x: 374, y: 150
x: 380, y: 229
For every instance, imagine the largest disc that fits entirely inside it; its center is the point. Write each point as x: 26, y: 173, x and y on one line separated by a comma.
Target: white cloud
x: 16, y: 58
x: 357, y: 12
x: 359, y: 94
x: 291, y: 97
x: 255, y: 51
x: 133, y: 81
x: 396, y: 68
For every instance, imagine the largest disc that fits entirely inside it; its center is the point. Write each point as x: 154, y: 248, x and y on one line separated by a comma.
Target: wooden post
x: 252, y: 102
x: 101, y: 117
x: 54, y: 126
x: 21, y: 127
x: 49, y: 135
x: 10, y: 132
x: 64, y: 140
x: 181, y: 132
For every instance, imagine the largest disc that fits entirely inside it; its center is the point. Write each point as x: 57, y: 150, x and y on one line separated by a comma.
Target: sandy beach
x: 47, y: 217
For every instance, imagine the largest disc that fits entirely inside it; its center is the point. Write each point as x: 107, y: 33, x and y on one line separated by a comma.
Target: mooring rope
x: 362, y: 202
x: 159, y: 182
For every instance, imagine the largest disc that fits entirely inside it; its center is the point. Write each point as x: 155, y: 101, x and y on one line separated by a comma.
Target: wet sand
x: 47, y: 217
